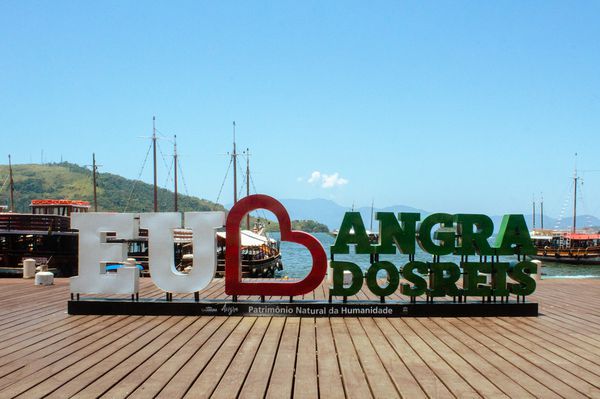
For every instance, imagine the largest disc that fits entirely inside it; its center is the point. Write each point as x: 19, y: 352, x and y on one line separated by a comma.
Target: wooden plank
x: 186, y: 375
x: 353, y: 376
x: 379, y: 380
x: 72, y: 379
x: 281, y: 384
x: 155, y: 383
x: 259, y: 375
x: 328, y: 370
x: 441, y: 368
x: 431, y: 384
x: 122, y: 380
x: 471, y: 374
x: 51, y: 365
x: 306, y: 381
x: 210, y: 376
x: 405, y: 383
x: 30, y: 360
x: 523, y: 380
x: 519, y: 358
x: 231, y: 383
x: 112, y: 369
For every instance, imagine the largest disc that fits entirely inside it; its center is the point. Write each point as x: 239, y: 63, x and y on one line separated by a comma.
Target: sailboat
x: 373, y: 235
x: 260, y: 254
x: 571, y: 247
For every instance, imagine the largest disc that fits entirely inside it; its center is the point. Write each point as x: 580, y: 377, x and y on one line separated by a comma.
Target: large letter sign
x: 233, y: 282
x: 461, y: 234
x: 95, y: 252
x: 449, y: 239
x: 160, y: 249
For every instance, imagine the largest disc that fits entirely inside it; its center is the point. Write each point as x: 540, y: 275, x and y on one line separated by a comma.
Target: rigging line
x: 162, y: 156
x: 566, y: 194
x: 224, y: 179
x: 169, y: 173
x: 165, y: 201
x: 584, y: 206
x: 242, y: 185
x: 183, y: 179
x: 162, y: 134
x: 264, y: 215
x: 138, y: 178
x: 4, y: 184
x: 241, y: 173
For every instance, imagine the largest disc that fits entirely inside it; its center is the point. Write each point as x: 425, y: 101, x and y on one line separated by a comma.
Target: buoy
x: 29, y: 268
x: 44, y: 277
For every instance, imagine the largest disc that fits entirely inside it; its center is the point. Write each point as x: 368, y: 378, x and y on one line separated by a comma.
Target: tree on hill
x: 309, y: 226
x: 69, y: 181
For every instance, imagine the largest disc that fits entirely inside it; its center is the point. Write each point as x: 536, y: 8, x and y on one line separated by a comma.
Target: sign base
x: 300, y: 308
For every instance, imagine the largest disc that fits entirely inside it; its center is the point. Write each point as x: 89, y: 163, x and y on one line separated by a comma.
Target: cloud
x: 333, y: 180
x: 314, y: 177
x: 325, y: 180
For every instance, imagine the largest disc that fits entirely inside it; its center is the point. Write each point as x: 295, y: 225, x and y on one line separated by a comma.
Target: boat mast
x: 248, y: 184
x: 154, y: 153
x: 542, y: 212
x: 533, y: 214
x: 372, y: 203
x: 175, y: 166
x: 12, y: 185
x: 234, y: 156
x: 575, y: 178
x: 94, y: 169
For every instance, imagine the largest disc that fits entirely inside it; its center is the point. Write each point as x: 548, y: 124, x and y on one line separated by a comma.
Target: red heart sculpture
x: 233, y: 267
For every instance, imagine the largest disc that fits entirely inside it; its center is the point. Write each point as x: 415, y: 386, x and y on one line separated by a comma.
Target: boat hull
x: 570, y: 260
x: 261, y: 268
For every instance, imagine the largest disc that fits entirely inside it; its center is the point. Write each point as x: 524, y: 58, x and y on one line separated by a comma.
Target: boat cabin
x: 58, y: 207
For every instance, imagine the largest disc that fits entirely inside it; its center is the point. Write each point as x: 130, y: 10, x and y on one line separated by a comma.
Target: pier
x: 45, y: 352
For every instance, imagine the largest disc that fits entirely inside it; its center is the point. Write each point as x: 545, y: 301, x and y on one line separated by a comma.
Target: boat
x: 44, y: 235
x: 569, y: 247
x: 260, y: 254
x: 581, y: 248
x: 373, y: 235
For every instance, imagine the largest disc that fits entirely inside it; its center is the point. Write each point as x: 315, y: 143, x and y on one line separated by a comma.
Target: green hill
x: 309, y: 226
x: 69, y: 181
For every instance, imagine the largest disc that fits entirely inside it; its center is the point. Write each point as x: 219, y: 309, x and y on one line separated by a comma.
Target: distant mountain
x: 583, y: 221
x: 331, y: 214
x: 69, y: 181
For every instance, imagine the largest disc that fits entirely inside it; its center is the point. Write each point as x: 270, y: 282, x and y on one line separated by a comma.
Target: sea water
x: 297, y: 261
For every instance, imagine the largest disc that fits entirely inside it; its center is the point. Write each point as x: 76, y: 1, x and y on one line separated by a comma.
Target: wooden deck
x: 44, y: 352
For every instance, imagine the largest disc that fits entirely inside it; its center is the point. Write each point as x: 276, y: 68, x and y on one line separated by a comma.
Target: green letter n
x: 391, y: 233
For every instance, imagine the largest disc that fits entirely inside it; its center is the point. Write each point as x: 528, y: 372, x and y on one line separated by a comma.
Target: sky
x: 453, y: 106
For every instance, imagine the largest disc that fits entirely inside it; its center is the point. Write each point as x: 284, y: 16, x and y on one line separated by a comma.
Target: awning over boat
x: 182, y: 235
x: 572, y: 236
x: 541, y: 238
x: 249, y: 239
